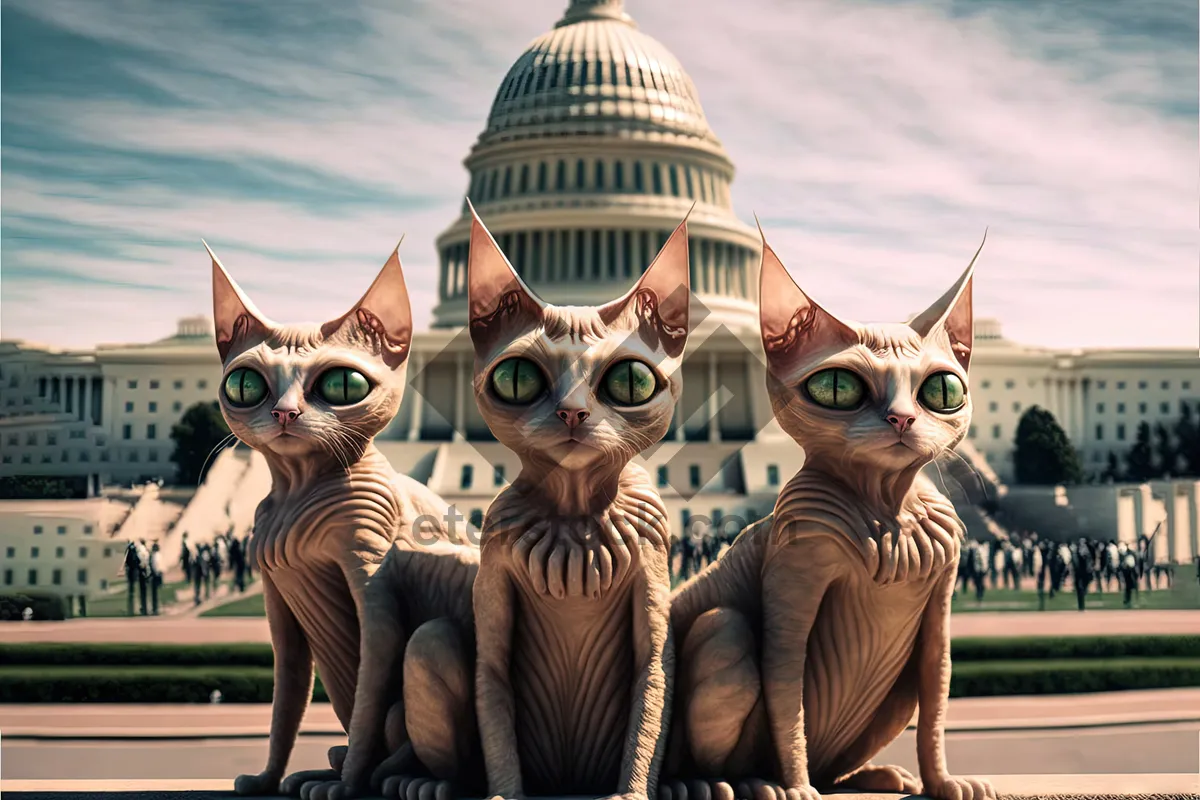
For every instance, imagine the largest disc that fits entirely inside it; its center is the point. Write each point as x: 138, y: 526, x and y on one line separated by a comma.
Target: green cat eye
x: 630, y: 383
x: 943, y: 392
x: 342, y: 386
x: 517, y: 380
x: 245, y: 388
x: 836, y: 388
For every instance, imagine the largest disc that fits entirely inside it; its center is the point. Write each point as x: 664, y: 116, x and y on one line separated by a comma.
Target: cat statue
x: 310, y: 399
x: 571, y: 601
x: 807, y: 647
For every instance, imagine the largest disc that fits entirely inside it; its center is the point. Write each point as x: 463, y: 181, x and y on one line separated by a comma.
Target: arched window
x: 583, y: 73
x: 639, y: 180
x: 599, y: 187
x: 674, y: 175
x: 560, y: 176
x: 541, y: 183
x: 523, y: 184
x: 580, y: 175
x: 619, y: 176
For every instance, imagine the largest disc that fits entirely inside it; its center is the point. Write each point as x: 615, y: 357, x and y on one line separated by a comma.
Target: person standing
x: 248, y: 557
x: 1129, y: 576
x: 1082, y: 572
x: 131, y: 575
x: 199, y: 570
x: 186, y: 557
x: 237, y: 563
x: 143, y: 575
x: 156, y: 577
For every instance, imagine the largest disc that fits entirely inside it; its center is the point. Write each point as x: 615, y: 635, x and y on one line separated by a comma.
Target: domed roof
x: 595, y: 73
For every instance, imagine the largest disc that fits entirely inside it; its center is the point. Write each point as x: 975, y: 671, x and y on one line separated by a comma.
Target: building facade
x: 595, y: 148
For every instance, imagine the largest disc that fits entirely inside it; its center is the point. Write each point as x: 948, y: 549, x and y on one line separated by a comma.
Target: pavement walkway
x: 224, y: 630
x: 170, y: 721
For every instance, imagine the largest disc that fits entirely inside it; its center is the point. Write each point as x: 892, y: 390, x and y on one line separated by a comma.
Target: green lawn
x: 251, y: 606
x: 1185, y: 594
x: 113, y: 604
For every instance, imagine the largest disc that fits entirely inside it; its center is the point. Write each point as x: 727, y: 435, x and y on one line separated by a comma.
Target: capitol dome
x: 595, y: 147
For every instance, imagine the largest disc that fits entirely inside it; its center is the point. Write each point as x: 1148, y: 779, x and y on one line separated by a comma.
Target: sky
x: 875, y: 140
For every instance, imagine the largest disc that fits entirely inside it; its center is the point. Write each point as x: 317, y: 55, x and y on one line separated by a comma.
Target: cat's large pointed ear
x: 661, y: 298
x: 235, y: 319
x: 499, y: 302
x: 793, y: 326
x: 952, y: 314
x: 385, y: 311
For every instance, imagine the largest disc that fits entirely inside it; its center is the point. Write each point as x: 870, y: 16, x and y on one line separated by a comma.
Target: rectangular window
x: 177, y: 406
x: 1120, y: 408
x: 153, y: 384
x: 87, y: 530
x: 1101, y: 384
x: 59, y: 552
x: 56, y: 577
x: 51, y: 439
x: 1120, y: 384
x: 132, y: 384
x: 81, y: 576
x: 32, y: 577
x: 10, y: 552
x: 662, y: 477
x: 467, y: 477
x: 1099, y: 433
x: 1164, y: 408
x: 1120, y: 431
x: 1009, y: 384
x: 178, y: 385
x: 1142, y: 385
x: 694, y: 475
x: 151, y: 431
x: 772, y: 474
x: 1187, y: 385
x: 37, y: 530
x: 1099, y: 408
x: 153, y: 408
x: 1017, y: 407
x: 83, y: 552
x: 202, y: 384
x: 971, y: 432
x: 996, y: 431
x: 126, y: 431
x: 62, y: 530
x: 8, y: 577
x: 1141, y: 408
x: 498, y: 475
x: 993, y: 406
x: 1166, y: 385
x: 152, y: 456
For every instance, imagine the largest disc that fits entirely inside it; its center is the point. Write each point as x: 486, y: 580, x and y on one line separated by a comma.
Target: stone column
x: 87, y: 400
x: 460, y: 390
x: 417, y: 366
x: 714, y: 402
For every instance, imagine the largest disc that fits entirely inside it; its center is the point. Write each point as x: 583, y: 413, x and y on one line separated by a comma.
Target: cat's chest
x: 292, y: 532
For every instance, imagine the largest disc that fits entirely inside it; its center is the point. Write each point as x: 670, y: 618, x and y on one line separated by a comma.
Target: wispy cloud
x: 876, y: 140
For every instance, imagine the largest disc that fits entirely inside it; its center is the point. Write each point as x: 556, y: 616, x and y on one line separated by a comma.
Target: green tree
x: 1113, y: 471
x: 1141, y: 456
x: 1043, y: 454
x: 196, y: 436
x: 1187, y: 441
x: 1166, y: 451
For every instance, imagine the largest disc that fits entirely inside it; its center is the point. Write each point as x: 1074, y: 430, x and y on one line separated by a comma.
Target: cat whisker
x: 218, y: 447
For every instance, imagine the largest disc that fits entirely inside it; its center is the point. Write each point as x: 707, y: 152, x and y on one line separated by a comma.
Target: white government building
x: 595, y: 147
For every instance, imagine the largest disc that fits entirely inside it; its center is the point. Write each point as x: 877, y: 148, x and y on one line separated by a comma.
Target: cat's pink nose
x: 285, y: 415
x: 901, y: 422
x: 572, y: 416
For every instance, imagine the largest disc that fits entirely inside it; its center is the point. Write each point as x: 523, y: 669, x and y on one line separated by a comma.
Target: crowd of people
x: 1085, y: 565
x: 143, y: 576
x: 697, y: 548
x: 203, y: 564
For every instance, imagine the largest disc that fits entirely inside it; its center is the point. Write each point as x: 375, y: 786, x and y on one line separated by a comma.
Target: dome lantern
x: 581, y: 10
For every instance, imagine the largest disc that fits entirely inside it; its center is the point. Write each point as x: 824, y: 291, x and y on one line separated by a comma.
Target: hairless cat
x: 808, y: 646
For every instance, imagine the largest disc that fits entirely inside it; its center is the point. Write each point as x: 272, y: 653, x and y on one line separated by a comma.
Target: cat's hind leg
x: 439, y: 705
x: 720, y: 685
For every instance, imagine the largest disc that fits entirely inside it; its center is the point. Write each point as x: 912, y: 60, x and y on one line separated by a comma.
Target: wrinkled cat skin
x: 336, y: 506
x: 845, y: 589
x: 575, y: 658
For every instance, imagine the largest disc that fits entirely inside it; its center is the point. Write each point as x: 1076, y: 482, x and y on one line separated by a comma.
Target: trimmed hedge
x: 45, y: 607
x: 1003, y: 678
x: 139, y: 685
x: 113, y: 684
x: 259, y: 655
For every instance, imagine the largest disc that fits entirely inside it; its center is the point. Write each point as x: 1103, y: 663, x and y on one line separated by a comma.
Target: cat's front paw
x: 695, y: 790
x: 293, y: 785
x: 406, y: 787
x: 330, y: 790
x: 765, y: 790
x: 948, y: 787
x: 260, y: 785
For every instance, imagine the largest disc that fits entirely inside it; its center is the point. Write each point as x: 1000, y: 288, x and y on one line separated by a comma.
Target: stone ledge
x: 1009, y: 787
